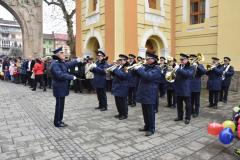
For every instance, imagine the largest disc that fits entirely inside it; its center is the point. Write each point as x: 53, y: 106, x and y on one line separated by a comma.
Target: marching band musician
x: 61, y: 78
x: 171, y: 97
x: 184, y: 74
x: 196, y: 85
x: 214, y: 82
x: 120, y: 87
x: 132, y: 82
x: 147, y: 91
x: 226, y: 79
x: 99, y: 80
x: 162, y: 82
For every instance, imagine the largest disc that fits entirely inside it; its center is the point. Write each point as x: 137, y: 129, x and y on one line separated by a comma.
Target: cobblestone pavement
x: 27, y: 131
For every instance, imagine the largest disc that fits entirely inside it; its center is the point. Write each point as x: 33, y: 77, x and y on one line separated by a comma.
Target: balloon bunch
x: 224, y: 131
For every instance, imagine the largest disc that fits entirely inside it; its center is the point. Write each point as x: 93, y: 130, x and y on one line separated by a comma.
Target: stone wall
x: 235, y: 84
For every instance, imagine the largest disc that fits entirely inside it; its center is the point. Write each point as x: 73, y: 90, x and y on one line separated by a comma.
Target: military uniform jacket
x: 215, y: 78
x: 61, y: 77
x: 163, y: 72
x: 228, y: 76
x: 120, y: 82
x: 196, y: 80
x: 99, y: 80
x: 182, y: 81
x: 147, y: 90
x: 133, y: 79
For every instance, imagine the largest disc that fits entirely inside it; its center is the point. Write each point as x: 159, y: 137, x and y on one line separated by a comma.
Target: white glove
x: 74, y: 77
x: 176, y: 67
x: 213, y: 67
x: 137, y: 67
x: 93, y: 66
x: 79, y: 60
x: 195, y: 64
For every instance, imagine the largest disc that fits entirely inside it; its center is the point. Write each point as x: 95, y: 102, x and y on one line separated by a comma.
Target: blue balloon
x: 226, y: 136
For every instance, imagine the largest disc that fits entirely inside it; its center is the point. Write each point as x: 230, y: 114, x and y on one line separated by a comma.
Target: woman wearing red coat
x: 38, y: 71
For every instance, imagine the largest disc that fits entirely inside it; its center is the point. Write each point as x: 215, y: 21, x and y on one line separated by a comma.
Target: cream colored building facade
x: 169, y: 27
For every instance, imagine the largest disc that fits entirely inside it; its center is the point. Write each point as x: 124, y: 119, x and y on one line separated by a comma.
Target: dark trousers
x: 149, y: 117
x: 109, y: 85
x: 162, y: 89
x: 77, y: 85
x: 171, y: 98
x: 131, y: 95
x: 24, y: 79
x: 30, y: 81
x: 49, y: 82
x: 122, y: 107
x: 188, y: 111
x: 38, y: 79
x: 195, y: 102
x: 89, y: 85
x: 213, y: 98
x: 102, y: 97
x: 224, y: 93
x: 59, y: 109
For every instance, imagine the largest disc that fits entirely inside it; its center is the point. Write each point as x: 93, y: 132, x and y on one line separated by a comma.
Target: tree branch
x: 52, y: 3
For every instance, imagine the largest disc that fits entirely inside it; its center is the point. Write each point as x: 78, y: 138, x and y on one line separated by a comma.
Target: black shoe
x: 133, y: 105
x: 61, y: 125
x: 97, y: 108
x: 173, y: 107
x: 210, y: 106
x: 122, y: 117
x: 33, y: 89
x: 194, y: 115
x: 103, y: 109
x: 178, y: 119
x: 187, y: 121
x: 44, y: 90
x: 142, y: 130
x: 220, y: 100
x: 224, y: 101
x: 129, y: 104
x: 215, y: 107
x: 117, y: 116
x: 148, y: 133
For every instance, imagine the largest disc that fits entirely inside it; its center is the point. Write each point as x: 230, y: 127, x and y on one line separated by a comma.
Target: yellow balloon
x: 229, y: 124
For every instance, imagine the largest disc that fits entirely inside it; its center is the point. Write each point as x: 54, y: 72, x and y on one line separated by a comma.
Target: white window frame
x: 94, y: 17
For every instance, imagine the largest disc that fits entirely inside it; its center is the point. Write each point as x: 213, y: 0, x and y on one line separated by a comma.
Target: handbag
x: 33, y: 76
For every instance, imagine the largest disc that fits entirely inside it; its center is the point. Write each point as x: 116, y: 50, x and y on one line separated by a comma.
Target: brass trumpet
x: 131, y: 67
x: 199, y: 57
x: 110, y: 68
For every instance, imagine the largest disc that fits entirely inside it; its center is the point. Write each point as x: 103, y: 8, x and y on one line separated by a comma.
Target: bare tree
x: 68, y: 17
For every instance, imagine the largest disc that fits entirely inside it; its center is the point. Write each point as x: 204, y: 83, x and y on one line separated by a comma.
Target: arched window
x: 154, y: 4
x: 197, y: 11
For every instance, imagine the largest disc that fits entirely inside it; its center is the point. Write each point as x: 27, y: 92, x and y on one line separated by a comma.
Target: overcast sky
x: 52, y: 19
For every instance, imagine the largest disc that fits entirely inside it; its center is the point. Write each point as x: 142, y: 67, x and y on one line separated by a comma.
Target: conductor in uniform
x: 228, y: 72
x: 60, y: 83
x: 184, y: 73
x: 147, y: 92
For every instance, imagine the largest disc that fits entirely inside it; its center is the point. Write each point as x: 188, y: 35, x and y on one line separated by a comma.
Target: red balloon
x: 214, y: 128
x: 238, y: 131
